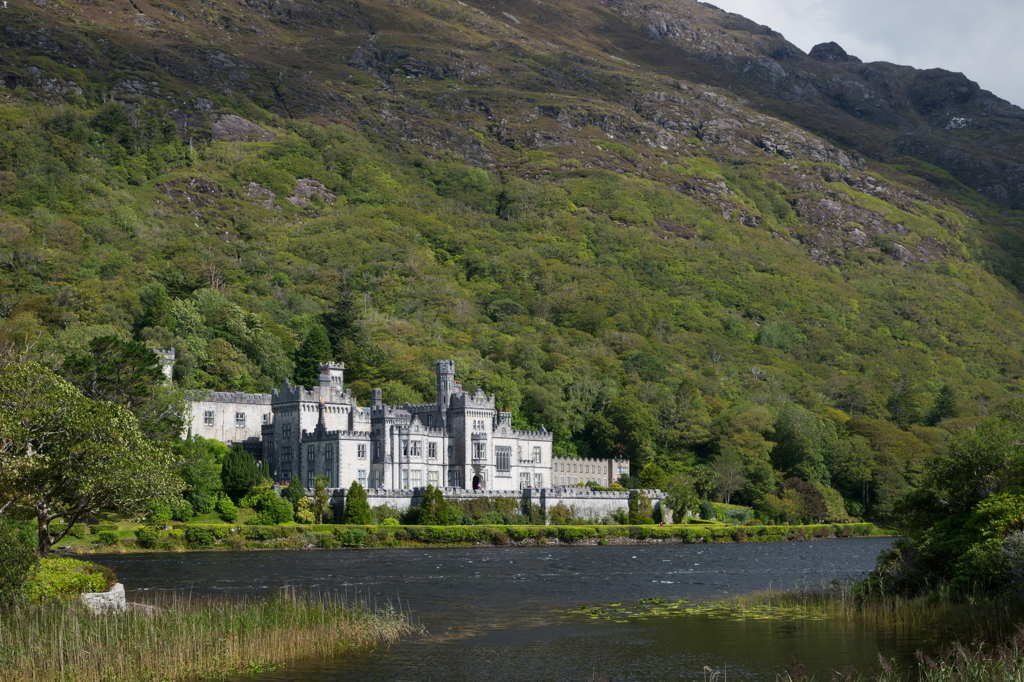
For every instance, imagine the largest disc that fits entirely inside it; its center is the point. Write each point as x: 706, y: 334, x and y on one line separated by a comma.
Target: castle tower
x: 332, y: 375
x: 446, y: 384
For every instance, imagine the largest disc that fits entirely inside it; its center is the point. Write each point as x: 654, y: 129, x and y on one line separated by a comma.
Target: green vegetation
x: 58, y: 579
x: 64, y: 456
x: 357, y: 509
x: 184, y: 638
x: 239, y: 474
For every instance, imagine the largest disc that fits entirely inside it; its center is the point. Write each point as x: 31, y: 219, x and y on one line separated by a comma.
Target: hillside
x: 659, y: 230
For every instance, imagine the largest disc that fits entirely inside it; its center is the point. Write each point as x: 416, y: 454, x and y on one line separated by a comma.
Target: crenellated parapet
x: 225, y: 397
x: 478, y: 400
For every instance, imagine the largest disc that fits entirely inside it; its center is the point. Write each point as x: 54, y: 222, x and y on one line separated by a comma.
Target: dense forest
x: 799, y: 332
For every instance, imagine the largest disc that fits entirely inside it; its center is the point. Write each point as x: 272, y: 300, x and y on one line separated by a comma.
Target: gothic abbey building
x: 460, y: 441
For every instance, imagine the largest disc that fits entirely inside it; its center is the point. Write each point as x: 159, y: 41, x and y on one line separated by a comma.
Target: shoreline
x: 327, y: 537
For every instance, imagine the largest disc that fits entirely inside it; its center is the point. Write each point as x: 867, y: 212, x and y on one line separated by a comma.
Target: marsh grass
x: 187, y: 637
x: 952, y: 615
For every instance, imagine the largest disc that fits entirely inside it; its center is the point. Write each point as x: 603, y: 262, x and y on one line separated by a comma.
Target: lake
x: 504, y: 613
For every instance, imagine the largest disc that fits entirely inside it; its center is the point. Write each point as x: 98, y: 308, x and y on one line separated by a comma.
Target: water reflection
x: 500, y: 613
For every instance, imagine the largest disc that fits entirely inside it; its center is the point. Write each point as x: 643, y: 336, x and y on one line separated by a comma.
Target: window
x: 503, y: 458
x: 588, y: 468
x: 266, y: 417
x: 538, y: 480
x: 361, y: 475
x: 536, y: 455
x: 454, y: 478
x: 479, y: 451
x: 524, y: 481
x: 623, y: 471
x: 432, y: 450
x: 432, y: 478
x: 286, y: 475
x: 375, y: 478
x: 405, y: 478
x: 286, y: 430
x: 208, y: 418
x: 286, y: 453
x: 310, y: 452
x: 416, y: 448
x: 239, y: 420
x: 416, y: 478
x: 361, y: 451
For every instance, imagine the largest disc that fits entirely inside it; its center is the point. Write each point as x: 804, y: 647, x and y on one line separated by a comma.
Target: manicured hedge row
x: 202, y: 536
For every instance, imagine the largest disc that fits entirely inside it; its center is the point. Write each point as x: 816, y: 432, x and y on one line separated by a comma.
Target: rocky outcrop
x: 306, y: 188
x: 106, y: 602
x: 234, y: 128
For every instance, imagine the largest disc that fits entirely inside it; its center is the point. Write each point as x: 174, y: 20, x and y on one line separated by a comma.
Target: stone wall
x: 595, y: 506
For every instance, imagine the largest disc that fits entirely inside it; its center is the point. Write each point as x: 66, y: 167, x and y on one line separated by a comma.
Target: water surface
x: 501, y: 613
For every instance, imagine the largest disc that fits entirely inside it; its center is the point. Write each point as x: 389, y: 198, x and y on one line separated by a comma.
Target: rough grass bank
x: 185, y: 638
x: 327, y: 536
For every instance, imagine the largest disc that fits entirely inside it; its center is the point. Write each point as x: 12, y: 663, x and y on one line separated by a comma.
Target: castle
x: 461, y: 441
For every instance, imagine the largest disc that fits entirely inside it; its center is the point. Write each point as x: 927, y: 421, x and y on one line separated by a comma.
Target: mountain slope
x: 658, y: 229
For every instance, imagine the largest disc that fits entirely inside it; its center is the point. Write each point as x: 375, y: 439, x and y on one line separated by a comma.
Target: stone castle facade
x: 461, y: 441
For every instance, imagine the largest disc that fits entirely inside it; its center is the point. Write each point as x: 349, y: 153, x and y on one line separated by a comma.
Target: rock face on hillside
x: 537, y: 75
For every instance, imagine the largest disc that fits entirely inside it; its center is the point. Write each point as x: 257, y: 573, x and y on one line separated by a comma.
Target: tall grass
x: 951, y: 614
x: 186, y: 637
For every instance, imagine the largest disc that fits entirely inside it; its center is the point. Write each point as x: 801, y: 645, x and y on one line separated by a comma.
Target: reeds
x: 954, y: 615
x: 186, y: 637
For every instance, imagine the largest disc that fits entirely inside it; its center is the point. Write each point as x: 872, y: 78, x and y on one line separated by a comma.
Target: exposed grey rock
x: 306, y: 188
x: 831, y: 52
x: 234, y: 128
x: 105, y: 602
x: 260, y: 195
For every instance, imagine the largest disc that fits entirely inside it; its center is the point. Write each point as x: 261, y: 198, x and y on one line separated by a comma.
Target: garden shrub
x: 77, y: 531
x: 752, y: 522
x: 349, y: 537
x: 271, y: 509
x: 304, y: 512
x: 105, y: 528
x: 17, y: 561
x: 108, y: 538
x: 392, y: 522
x: 381, y: 512
x: 63, y: 578
x: 707, y: 510
x: 181, y: 510
x: 226, y: 509
x: 199, y: 537
x: 640, y: 512
x: 147, y: 537
x: 574, y: 533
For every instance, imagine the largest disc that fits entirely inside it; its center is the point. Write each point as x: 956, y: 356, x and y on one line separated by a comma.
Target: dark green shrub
x: 357, y: 508
x: 108, y: 538
x: 77, y: 531
x: 707, y: 510
x: 17, y: 560
x: 199, y: 537
x: 271, y: 509
x: 181, y: 510
x: 239, y: 473
x: 147, y: 537
x: 640, y: 512
x: 433, y: 508
x: 349, y: 537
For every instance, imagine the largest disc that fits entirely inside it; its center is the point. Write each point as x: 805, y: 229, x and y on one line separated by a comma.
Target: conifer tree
x: 357, y: 507
x: 945, y: 405
x: 294, y: 492
x: 315, y: 349
x: 239, y: 473
x: 433, y: 509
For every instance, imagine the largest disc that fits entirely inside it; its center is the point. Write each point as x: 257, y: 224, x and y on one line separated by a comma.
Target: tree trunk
x: 44, y: 542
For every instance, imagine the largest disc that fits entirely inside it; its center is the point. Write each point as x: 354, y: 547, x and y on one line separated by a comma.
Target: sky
x: 980, y: 38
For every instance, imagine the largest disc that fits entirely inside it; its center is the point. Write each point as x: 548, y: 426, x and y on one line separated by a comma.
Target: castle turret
x: 332, y: 375
x: 446, y: 384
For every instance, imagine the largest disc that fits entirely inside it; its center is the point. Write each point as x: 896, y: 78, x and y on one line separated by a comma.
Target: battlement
x: 543, y: 434
x: 224, y: 397
x: 339, y: 433
x: 476, y: 400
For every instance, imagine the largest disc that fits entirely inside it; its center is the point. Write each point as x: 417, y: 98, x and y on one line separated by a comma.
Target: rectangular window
x: 266, y: 417
x: 432, y: 450
x: 538, y: 481
x: 309, y: 478
x: 536, y: 455
x: 524, y: 481
x: 286, y: 475
x: 417, y: 448
x: 310, y: 452
x: 405, y: 479
x: 362, y: 477
x: 479, y: 451
x: 286, y: 430
x: 361, y: 451
x: 503, y: 458
x: 417, y: 478
x: 623, y: 471
x: 375, y: 478
x: 208, y: 418
x: 432, y: 478
x: 240, y: 420
x: 454, y: 479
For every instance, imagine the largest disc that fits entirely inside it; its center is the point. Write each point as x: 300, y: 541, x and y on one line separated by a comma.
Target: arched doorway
x: 477, y: 483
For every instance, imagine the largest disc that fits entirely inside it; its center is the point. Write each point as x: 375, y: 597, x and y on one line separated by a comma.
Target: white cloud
x: 981, y: 38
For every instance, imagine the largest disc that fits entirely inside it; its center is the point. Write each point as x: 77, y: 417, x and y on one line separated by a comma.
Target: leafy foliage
x: 239, y: 474
x: 357, y: 508
x: 17, y: 561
